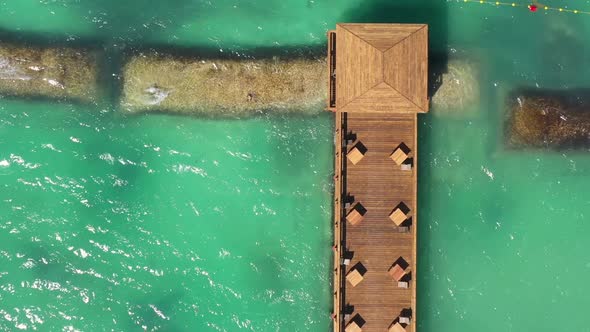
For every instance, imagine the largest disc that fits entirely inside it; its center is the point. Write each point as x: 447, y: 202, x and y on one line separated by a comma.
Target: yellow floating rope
x: 539, y: 7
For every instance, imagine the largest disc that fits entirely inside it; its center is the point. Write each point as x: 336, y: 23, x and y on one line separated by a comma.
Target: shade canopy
x: 382, y: 68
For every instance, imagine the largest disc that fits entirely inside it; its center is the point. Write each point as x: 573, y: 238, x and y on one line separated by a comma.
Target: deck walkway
x: 379, y: 185
x: 376, y: 181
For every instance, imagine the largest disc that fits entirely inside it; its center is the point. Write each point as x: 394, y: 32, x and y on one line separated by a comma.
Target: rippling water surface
x: 162, y: 223
x: 154, y: 222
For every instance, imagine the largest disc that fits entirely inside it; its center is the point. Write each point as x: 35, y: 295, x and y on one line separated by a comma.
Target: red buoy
x: 533, y: 8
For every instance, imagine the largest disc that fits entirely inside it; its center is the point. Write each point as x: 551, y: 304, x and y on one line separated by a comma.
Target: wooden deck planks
x: 378, y: 84
x: 380, y: 185
x: 381, y: 68
x: 338, y: 273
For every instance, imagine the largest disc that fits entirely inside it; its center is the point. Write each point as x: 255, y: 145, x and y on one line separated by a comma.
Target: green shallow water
x: 165, y: 222
x: 155, y: 222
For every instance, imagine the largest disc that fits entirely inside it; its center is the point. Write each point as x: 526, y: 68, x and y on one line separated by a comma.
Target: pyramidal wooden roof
x: 382, y: 68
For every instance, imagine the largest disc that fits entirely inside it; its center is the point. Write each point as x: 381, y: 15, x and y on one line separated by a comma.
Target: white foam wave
x: 159, y: 312
x: 107, y: 157
x: 50, y: 147
x: 182, y: 168
x: 16, y: 159
x: 487, y: 172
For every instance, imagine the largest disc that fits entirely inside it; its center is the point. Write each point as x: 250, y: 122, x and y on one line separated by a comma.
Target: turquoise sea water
x: 163, y: 223
x: 156, y: 222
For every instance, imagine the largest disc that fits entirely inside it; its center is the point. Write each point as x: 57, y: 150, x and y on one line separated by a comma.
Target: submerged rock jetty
x: 548, y: 120
x: 61, y: 73
x: 459, y: 88
x: 156, y: 82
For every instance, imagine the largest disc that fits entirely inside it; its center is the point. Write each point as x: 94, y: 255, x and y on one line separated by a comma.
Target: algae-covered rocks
x: 459, y: 87
x: 156, y: 82
x: 548, y: 119
x: 61, y: 73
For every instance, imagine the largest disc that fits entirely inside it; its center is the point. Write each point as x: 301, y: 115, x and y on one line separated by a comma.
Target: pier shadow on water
x: 237, y: 52
x: 431, y: 12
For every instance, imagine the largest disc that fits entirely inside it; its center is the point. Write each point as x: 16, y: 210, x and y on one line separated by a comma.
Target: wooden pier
x: 378, y: 85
